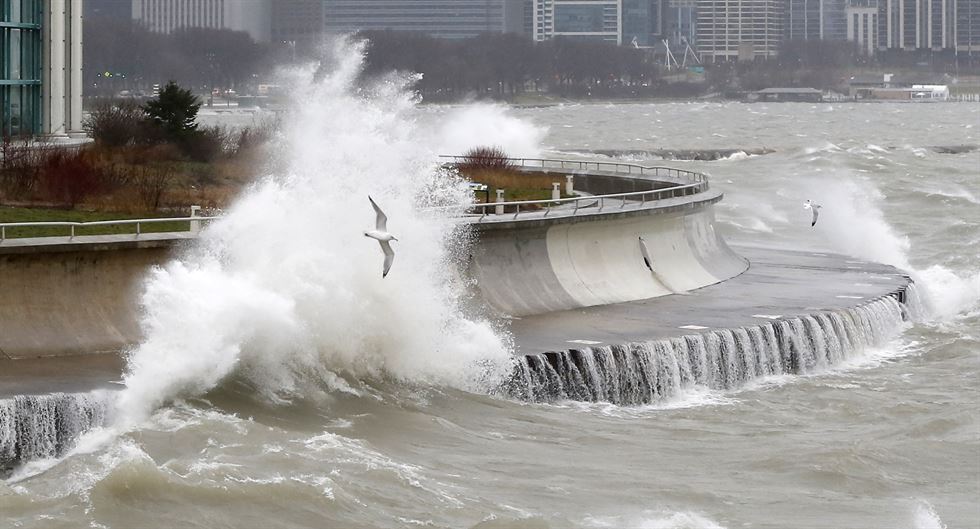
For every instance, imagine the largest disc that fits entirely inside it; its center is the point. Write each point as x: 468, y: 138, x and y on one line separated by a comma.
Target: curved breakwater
x: 723, y: 359
x: 47, y: 426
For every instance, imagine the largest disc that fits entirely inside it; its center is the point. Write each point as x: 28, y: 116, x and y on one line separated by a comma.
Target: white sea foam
x: 925, y: 517
x: 286, y: 291
x: 483, y: 124
x: 655, y: 520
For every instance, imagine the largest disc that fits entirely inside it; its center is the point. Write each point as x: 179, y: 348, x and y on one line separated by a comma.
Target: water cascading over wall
x: 725, y: 359
x: 45, y: 426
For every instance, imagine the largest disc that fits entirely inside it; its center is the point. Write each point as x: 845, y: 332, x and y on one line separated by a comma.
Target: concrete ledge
x: 93, y: 243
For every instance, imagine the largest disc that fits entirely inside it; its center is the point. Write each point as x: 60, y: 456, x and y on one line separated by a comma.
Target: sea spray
x: 483, y: 124
x: 286, y: 291
x: 852, y: 202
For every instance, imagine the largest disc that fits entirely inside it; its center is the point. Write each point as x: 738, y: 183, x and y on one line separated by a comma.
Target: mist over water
x: 371, y: 408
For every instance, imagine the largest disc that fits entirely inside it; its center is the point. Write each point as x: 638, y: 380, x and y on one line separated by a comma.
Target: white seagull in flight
x: 380, y: 234
x: 815, y: 208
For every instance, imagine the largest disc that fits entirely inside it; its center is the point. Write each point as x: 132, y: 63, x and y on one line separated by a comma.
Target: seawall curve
x: 562, y: 259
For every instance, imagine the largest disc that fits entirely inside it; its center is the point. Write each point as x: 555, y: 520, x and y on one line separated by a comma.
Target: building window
x: 20, y: 67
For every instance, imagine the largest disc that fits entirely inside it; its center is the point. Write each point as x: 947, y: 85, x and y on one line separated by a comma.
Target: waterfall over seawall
x: 649, y: 372
x: 44, y: 426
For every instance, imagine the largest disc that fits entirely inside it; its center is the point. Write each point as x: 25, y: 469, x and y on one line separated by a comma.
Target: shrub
x: 150, y: 185
x: 20, y: 168
x: 205, y: 145
x: 486, y: 159
x: 69, y: 176
x: 118, y: 123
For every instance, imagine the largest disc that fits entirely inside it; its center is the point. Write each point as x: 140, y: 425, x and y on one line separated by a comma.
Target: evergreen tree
x: 174, y: 111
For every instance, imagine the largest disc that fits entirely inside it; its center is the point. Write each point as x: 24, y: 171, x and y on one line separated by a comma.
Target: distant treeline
x: 122, y: 54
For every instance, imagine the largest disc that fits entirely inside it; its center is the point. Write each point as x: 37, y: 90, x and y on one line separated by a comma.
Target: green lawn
x: 9, y: 214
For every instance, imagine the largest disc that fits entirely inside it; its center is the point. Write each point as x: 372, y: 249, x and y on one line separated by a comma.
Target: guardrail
x: 195, y: 224
x: 582, y: 165
x: 699, y: 183
x: 572, y: 205
x: 576, y: 203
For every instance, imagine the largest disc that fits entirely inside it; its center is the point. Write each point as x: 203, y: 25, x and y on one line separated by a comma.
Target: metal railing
x: 699, y: 183
x: 573, y: 205
x: 585, y: 166
x: 194, y: 224
x: 570, y: 206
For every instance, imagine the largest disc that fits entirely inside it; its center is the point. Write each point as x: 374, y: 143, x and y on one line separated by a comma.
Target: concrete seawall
x: 545, y: 265
x: 68, y: 297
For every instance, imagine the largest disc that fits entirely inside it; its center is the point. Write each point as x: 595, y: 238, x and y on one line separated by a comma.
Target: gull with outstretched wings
x: 380, y: 234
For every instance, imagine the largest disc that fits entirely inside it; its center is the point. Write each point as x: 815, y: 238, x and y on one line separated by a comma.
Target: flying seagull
x: 646, y: 254
x: 815, y: 208
x: 380, y: 234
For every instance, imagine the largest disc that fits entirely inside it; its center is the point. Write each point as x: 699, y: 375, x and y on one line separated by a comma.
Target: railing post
x: 195, y: 224
x: 3, y: 232
x: 500, y: 198
x: 139, y: 229
x: 72, y: 236
x: 517, y: 210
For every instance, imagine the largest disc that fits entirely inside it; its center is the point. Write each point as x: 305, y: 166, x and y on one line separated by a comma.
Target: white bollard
x: 195, y: 224
x: 499, y: 210
x: 569, y: 185
x: 555, y: 191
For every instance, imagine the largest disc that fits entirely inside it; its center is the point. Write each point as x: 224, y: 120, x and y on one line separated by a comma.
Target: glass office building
x: 41, y: 68
x: 20, y: 67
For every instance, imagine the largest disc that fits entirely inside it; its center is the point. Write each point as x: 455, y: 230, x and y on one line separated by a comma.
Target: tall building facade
x: 816, y: 19
x: 452, y: 19
x: 738, y: 29
x: 297, y: 22
x: 165, y: 16
x: 117, y: 9
x: 41, y: 67
x: 966, y: 17
x: 680, y: 22
x: 598, y: 20
x: 642, y: 22
x: 918, y: 24
x: 862, y: 24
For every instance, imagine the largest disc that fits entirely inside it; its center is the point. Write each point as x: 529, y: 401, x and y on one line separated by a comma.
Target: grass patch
x: 11, y: 214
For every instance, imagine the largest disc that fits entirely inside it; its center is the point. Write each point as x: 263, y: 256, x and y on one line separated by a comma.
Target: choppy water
x: 890, y: 438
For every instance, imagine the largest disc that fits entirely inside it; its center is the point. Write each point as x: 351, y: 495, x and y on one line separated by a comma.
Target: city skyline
x: 717, y: 29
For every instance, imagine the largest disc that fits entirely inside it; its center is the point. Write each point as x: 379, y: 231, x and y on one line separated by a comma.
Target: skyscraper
x: 164, y: 16
x: 738, y: 29
x: 862, y: 24
x: 298, y: 22
x: 966, y: 16
x: 816, y: 20
x: 118, y: 9
x: 642, y: 22
x: 915, y: 24
x: 600, y: 20
x: 453, y: 19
